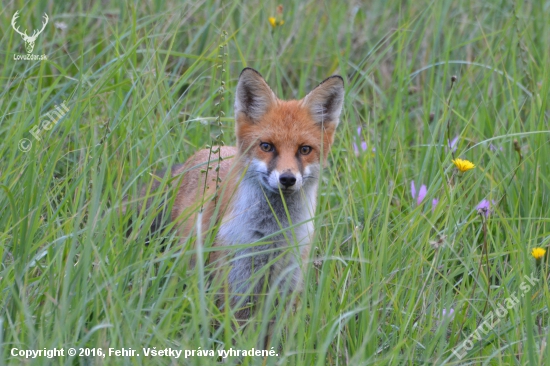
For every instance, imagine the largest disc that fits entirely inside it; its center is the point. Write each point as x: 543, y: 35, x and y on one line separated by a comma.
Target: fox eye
x: 267, y: 147
x: 304, y: 150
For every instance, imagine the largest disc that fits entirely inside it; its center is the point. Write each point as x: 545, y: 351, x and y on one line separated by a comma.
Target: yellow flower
x: 538, y: 253
x: 274, y: 22
x: 463, y: 165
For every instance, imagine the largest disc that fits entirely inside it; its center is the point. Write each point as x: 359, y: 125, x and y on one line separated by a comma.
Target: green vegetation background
x: 142, y: 82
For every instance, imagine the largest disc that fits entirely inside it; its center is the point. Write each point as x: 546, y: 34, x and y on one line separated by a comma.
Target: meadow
x: 414, y: 262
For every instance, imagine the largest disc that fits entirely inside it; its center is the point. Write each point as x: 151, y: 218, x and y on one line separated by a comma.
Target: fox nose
x: 287, y: 179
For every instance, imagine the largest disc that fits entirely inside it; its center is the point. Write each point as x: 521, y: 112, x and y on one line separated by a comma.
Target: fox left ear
x: 325, y: 101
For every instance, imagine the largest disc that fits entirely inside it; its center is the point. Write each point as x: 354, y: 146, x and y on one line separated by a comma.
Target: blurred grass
x: 140, y: 79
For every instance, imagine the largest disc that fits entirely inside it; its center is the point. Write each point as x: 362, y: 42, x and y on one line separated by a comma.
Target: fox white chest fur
x: 277, y: 227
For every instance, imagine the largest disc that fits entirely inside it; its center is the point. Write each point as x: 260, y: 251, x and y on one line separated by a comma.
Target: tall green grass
x: 141, y: 80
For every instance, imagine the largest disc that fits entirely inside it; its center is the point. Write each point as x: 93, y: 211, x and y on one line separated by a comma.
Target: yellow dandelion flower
x: 463, y: 165
x: 274, y: 22
x: 538, y: 253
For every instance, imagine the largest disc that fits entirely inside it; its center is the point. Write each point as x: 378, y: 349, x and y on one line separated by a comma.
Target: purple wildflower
x: 364, y: 146
x: 421, y: 193
x: 452, y: 144
x: 451, y: 314
x: 419, y: 197
x: 484, y: 207
x: 495, y: 148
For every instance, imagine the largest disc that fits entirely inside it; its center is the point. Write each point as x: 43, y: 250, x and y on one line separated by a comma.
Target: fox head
x: 284, y: 142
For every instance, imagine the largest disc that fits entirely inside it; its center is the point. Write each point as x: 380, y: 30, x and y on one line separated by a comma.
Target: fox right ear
x: 253, y: 97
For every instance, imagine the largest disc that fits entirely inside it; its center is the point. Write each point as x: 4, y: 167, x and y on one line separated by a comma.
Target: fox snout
x: 287, y: 180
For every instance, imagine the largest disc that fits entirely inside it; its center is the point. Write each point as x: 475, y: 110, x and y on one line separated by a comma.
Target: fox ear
x: 325, y: 101
x: 253, y: 97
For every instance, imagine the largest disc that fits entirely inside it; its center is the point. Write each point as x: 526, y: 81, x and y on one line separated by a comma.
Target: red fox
x: 267, y: 195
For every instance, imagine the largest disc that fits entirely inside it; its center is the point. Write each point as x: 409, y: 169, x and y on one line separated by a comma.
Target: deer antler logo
x: 29, y: 41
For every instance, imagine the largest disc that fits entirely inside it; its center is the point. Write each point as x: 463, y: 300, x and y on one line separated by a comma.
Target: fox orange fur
x: 268, y: 187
